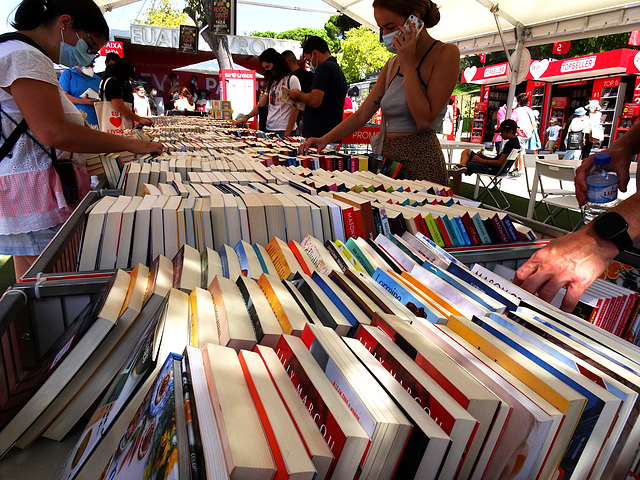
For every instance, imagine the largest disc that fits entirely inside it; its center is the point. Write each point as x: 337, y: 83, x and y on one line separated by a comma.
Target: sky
x: 250, y: 18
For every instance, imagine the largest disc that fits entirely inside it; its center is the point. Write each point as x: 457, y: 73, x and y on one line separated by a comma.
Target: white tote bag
x: 110, y: 119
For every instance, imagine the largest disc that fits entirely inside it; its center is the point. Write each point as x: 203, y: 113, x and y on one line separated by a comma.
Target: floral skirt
x: 420, y: 155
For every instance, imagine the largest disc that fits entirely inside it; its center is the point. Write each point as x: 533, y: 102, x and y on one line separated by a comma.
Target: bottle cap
x: 602, y: 159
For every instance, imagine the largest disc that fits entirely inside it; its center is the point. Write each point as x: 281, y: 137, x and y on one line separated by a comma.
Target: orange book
x: 272, y: 298
x: 429, y: 295
x: 283, y: 258
x: 287, y: 449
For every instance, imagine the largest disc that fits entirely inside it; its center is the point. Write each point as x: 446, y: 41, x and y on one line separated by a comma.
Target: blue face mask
x: 312, y: 67
x: 388, y: 41
x: 78, y: 56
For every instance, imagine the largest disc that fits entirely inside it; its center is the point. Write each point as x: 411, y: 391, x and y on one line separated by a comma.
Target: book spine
x: 471, y: 230
x: 500, y: 231
x: 463, y: 231
x: 482, y: 230
x: 454, y: 233
x: 350, y: 227
x: 434, y: 231
x: 510, y: 229
x: 384, y: 221
x: 626, y: 314
x: 634, y: 322
x: 448, y: 241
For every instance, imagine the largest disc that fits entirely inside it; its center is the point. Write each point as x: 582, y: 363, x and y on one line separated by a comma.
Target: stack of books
x: 295, y: 362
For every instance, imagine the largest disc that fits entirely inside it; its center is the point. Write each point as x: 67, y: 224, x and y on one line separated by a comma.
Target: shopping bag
x: 575, y: 140
x: 110, y: 119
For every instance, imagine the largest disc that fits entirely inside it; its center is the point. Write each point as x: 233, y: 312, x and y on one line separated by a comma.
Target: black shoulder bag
x: 63, y: 169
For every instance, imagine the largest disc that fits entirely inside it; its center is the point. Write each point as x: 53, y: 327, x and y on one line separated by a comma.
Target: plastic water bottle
x: 602, y: 187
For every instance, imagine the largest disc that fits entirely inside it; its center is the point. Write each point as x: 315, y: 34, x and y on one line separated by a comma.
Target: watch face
x: 610, y: 225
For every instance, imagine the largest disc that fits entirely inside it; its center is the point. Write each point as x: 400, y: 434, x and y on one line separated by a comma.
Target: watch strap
x: 622, y: 239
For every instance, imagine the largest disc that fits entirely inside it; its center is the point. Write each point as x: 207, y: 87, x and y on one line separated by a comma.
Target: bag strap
x: 8, y: 144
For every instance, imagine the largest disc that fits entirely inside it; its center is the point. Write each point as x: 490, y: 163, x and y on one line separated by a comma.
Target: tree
x: 300, y: 34
x: 202, y: 13
x: 165, y: 15
x: 338, y: 25
x: 362, y: 53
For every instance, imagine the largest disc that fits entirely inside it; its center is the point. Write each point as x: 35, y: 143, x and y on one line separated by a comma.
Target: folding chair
x: 530, y: 162
x: 494, y: 182
x: 564, y: 202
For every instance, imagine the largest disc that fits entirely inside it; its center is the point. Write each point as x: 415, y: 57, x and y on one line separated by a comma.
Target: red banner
x: 362, y: 136
x: 634, y: 38
x: 483, y: 57
x: 560, y: 48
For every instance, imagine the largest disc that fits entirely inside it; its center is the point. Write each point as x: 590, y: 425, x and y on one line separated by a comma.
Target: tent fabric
x: 209, y: 67
x: 471, y: 25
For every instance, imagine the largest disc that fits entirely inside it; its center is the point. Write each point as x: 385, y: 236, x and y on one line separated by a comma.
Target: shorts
x: 30, y: 243
x: 479, y: 167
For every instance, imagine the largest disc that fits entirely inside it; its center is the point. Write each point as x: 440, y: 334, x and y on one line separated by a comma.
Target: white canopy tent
x: 208, y: 67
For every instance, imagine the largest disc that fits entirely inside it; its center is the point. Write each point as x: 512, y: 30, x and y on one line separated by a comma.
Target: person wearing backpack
x: 38, y: 192
x: 576, y: 133
x: 282, y: 116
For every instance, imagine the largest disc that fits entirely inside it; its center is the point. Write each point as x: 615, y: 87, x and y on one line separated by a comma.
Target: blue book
x: 400, y: 293
x: 482, y: 231
x: 508, y: 300
x: 463, y: 231
x: 361, y: 257
x: 320, y: 281
x: 592, y: 409
x: 508, y: 226
x: 453, y: 231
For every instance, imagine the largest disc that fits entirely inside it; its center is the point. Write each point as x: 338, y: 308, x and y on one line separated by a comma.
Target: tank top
x: 395, y: 108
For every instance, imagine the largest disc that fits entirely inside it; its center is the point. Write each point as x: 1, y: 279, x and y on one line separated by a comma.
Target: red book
x: 499, y: 228
x: 299, y: 256
x: 632, y: 299
x: 421, y: 226
x: 340, y: 428
x: 471, y: 229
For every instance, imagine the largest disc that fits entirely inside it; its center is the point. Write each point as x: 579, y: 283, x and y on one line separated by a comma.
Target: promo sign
x: 239, y: 87
x: 224, y: 17
x: 188, y: 39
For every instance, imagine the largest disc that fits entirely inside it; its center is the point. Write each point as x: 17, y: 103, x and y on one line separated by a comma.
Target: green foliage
x: 299, y: 34
x: 338, y: 25
x: 195, y: 10
x: 165, y: 15
x: 362, y: 53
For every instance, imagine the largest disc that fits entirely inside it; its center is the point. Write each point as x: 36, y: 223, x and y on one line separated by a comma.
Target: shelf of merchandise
x: 612, y: 103
x: 479, y: 122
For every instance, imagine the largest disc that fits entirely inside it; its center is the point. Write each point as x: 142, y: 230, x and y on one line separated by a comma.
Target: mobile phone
x: 419, y: 24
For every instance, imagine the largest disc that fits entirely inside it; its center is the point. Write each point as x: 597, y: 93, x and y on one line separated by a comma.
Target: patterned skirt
x: 420, y: 155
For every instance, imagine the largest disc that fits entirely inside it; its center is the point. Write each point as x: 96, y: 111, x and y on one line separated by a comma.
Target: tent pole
x: 515, y: 65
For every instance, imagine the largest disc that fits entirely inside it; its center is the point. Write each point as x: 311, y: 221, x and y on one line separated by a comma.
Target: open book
x: 286, y: 99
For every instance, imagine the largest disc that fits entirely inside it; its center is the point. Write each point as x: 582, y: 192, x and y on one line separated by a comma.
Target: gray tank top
x: 395, y: 108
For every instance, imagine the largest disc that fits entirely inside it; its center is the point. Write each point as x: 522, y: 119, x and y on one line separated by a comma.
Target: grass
x: 519, y: 206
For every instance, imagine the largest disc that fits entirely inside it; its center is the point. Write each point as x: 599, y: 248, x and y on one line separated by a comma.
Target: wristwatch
x: 613, y: 227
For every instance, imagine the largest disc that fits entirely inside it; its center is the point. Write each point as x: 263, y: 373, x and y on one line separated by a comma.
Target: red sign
x: 634, y: 38
x: 634, y: 64
x: 112, y: 47
x: 362, y: 136
x: 636, y: 91
x: 483, y: 57
x: 631, y: 110
x: 601, y: 83
x: 558, y: 102
x: 481, y: 106
x: 560, y: 48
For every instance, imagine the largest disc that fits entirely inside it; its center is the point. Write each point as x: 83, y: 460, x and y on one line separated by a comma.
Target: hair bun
x: 432, y: 15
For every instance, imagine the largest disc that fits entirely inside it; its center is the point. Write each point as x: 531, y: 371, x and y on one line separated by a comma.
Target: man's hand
x: 295, y: 94
x: 573, y: 261
x: 240, y: 121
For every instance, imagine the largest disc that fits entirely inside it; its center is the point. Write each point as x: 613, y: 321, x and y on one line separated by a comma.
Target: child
x: 554, y: 132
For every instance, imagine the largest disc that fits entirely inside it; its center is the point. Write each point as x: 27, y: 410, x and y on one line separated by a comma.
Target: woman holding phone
x: 413, y: 90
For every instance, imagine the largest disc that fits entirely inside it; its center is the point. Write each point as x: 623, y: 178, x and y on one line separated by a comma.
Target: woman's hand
x: 405, y: 44
x: 239, y: 122
x: 142, y: 146
x: 146, y: 122
x: 318, y: 143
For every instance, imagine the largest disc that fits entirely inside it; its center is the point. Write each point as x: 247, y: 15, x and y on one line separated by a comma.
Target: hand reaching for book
x: 141, y: 146
x: 318, y: 143
x: 573, y: 261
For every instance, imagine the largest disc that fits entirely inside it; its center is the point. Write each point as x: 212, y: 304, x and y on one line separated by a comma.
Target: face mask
x: 312, y: 67
x: 193, y: 81
x: 88, y: 71
x: 388, y: 41
x: 71, y: 56
x: 154, y: 93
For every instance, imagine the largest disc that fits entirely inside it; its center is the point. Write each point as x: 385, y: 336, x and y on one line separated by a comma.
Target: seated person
x: 472, y: 162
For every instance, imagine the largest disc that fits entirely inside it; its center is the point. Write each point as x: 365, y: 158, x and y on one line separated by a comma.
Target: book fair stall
x: 251, y: 279
x: 230, y: 309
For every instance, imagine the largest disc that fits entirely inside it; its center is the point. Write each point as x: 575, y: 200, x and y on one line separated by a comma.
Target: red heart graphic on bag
x: 116, y: 121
